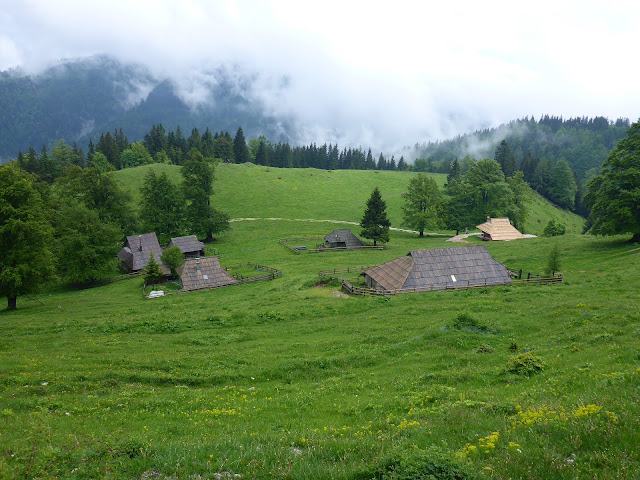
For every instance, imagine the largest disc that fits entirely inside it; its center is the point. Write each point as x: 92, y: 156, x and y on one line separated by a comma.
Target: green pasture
x: 250, y: 191
x: 281, y: 379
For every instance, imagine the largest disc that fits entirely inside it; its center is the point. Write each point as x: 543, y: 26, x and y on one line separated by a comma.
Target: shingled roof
x: 499, y: 229
x: 137, y: 249
x: 438, y: 269
x: 342, y: 236
x: 187, y: 245
x: 202, y: 273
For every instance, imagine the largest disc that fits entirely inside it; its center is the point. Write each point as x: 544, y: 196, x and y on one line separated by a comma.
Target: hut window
x: 453, y: 277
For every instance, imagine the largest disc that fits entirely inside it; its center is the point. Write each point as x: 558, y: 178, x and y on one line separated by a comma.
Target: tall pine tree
x: 375, y: 224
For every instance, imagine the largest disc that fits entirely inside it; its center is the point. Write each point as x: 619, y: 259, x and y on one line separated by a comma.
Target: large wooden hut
x: 342, y: 238
x: 438, y: 269
x: 200, y: 273
x: 137, y: 250
x: 499, y: 229
x: 189, y: 246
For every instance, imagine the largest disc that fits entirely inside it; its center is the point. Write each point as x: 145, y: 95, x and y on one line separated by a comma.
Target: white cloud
x: 385, y: 75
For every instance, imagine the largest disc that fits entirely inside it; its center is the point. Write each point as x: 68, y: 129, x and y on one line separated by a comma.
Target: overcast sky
x: 384, y: 74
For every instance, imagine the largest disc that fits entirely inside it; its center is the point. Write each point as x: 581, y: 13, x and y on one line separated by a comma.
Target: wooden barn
x: 189, y: 246
x: 137, y: 250
x: 342, y: 238
x: 200, y: 273
x: 499, y: 229
x: 438, y: 269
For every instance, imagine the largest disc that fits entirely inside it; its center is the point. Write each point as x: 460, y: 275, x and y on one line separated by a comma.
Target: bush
x: 421, y: 464
x: 151, y: 271
x: 172, y: 257
x: 525, y: 364
x: 464, y: 321
x: 553, y: 229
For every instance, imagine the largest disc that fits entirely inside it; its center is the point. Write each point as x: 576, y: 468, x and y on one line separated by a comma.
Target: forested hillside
x: 79, y: 99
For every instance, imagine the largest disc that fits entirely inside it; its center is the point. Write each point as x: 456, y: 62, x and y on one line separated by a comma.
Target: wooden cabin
x: 189, y: 246
x: 438, y: 269
x: 137, y: 250
x: 499, y: 229
x: 342, y: 238
x: 200, y: 273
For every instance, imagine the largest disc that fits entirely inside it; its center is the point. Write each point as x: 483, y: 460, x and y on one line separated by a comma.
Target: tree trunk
x: 635, y: 238
x: 11, y: 303
x: 374, y: 242
x: 422, y: 233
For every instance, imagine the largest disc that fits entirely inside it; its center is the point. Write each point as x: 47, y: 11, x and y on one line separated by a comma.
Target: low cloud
x: 352, y: 72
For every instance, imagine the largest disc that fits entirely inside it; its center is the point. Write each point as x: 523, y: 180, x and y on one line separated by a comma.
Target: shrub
x: 172, y: 257
x: 421, y: 464
x: 484, y: 348
x: 553, y: 229
x: 525, y: 364
x: 464, y: 321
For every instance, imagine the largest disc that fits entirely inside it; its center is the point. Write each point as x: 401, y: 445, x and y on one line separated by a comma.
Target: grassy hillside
x: 283, y: 379
x: 255, y: 191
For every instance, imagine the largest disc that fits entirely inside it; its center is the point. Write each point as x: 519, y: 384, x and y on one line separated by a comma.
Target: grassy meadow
x: 286, y: 379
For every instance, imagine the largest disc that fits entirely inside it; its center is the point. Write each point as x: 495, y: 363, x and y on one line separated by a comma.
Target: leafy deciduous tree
x: 26, y: 261
x: 423, y: 203
x: 614, y: 194
x: 161, y: 207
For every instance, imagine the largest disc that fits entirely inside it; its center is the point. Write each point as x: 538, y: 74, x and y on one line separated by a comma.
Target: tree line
x: 72, y: 229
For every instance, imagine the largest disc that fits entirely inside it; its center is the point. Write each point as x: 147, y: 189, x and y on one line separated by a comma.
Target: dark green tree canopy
x: 375, y: 224
x: 161, y: 207
x: 614, y: 194
x: 504, y: 156
x: 240, y: 148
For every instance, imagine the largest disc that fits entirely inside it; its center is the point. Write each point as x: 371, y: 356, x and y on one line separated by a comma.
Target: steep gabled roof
x: 500, y: 229
x: 343, y: 235
x: 188, y: 244
x: 439, y: 268
x: 202, y: 273
x: 138, y: 248
x: 393, y: 274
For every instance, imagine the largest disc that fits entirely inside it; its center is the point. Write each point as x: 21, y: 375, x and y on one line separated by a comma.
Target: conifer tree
x: 240, y: 149
x: 504, y: 156
x: 375, y: 224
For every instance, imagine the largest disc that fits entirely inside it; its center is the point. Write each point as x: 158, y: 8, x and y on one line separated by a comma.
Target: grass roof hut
x: 499, y: 229
x: 200, y: 273
x: 189, y: 246
x: 437, y: 269
x: 342, y: 238
x: 137, y: 250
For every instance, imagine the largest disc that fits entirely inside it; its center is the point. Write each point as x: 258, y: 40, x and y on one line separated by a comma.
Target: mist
x: 354, y: 73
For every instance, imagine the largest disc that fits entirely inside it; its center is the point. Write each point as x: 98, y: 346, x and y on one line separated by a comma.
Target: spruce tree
x: 504, y: 156
x: 240, y: 149
x: 375, y: 224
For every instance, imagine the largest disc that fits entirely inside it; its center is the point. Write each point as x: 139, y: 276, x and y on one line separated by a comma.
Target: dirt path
x: 460, y: 238
x: 248, y: 219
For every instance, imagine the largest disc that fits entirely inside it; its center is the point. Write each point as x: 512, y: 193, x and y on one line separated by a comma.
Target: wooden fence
x: 272, y: 273
x: 366, y: 291
x: 297, y: 249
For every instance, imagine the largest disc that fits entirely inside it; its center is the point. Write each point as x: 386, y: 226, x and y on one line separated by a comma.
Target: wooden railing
x: 366, y: 291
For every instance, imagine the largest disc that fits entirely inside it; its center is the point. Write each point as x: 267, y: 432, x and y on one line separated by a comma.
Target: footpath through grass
x: 281, y: 380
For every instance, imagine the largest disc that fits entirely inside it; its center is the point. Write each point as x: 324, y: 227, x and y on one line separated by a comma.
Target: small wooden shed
x: 189, y: 246
x: 499, y: 229
x: 137, y: 250
x: 342, y: 238
x: 438, y: 269
x: 200, y: 273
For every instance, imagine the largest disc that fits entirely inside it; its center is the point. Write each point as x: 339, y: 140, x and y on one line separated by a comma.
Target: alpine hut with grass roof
x: 138, y: 249
x: 200, y: 273
x: 499, y: 229
x: 342, y: 238
x: 438, y: 269
x: 189, y: 246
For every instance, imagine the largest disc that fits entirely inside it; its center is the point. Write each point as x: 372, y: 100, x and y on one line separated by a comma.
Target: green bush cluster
x: 554, y: 229
x: 525, y: 364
